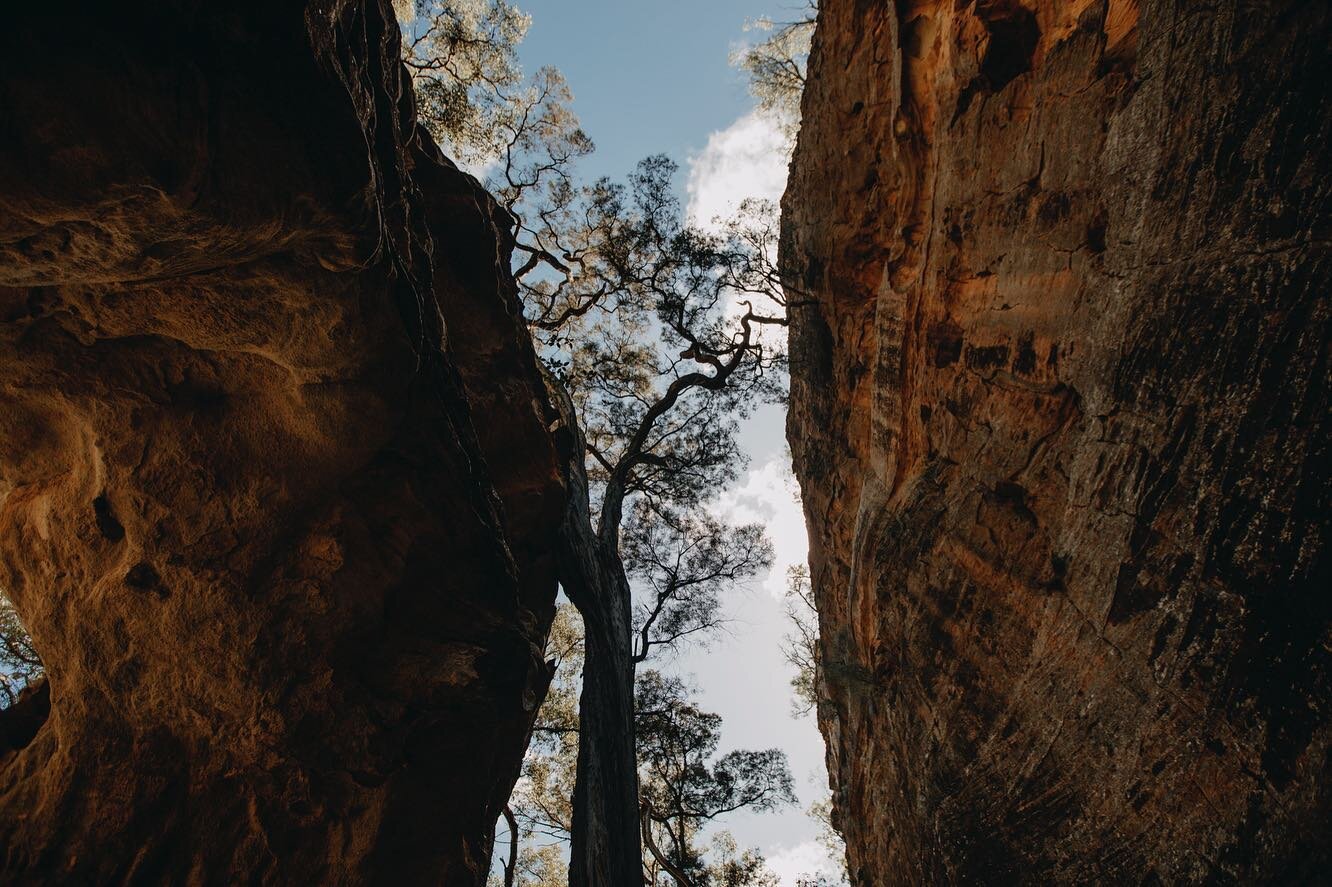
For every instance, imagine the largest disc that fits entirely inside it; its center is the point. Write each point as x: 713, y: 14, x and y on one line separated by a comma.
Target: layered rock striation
x: 277, y: 495
x: 1060, y: 418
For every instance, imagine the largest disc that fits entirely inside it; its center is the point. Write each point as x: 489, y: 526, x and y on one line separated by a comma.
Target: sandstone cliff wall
x: 277, y: 497
x: 1060, y: 416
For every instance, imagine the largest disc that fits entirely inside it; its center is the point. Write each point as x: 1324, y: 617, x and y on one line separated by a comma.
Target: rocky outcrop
x: 1060, y: 416
x: 277, y: 496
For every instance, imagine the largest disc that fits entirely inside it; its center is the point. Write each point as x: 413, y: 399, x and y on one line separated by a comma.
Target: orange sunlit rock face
x: 1059, y: 412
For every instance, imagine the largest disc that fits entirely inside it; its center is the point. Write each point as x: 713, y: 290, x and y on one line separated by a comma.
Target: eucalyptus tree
x: 776, y: 64
x: 658, y: 338
x: 802, y: 642
x: 686, y: 786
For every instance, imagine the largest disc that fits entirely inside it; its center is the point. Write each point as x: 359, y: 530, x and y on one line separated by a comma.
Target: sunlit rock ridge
x: 276, y: 486
x: 1059, y: 413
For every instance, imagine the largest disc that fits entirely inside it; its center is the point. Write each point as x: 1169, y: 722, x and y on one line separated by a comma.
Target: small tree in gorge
x: 540, y: 813
x: 20, y: 666
x: 683, y: 788
x: 802, y: 643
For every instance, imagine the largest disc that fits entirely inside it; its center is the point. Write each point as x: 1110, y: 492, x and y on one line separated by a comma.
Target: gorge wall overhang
x: 277, y: 495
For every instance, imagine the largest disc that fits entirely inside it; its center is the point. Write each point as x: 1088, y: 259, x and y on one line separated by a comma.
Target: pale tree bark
x: 673, y: 870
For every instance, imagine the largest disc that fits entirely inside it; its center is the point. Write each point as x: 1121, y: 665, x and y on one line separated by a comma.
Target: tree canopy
x: 659, y: 338
x: 684, y: 784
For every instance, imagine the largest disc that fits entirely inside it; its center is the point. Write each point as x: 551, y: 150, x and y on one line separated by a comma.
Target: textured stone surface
x: 276, y: 494
x: 1059, y: 413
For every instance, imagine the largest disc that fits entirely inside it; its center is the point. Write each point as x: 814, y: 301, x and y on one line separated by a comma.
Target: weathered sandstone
x: 1060, y: 416
x: 276, y: 491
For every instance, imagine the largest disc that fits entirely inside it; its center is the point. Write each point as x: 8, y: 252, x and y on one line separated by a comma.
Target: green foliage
x: 542, y: 800
x: 833, y: 843
x: 472, y: 97
x: 542, y: 866
x: 664, y: 335
x: 732, y: 867
x: 19, y: 663
x: 684, y: 561
x: 684, y: 785
x: 802, y: 643
x: 776, y: 64
x: 537, y: 865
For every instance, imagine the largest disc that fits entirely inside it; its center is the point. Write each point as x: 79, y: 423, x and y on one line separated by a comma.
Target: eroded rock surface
x: 1060, y: 417
x: 276, y: 490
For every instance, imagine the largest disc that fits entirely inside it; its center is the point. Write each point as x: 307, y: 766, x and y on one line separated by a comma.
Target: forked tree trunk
x: 605, y: 848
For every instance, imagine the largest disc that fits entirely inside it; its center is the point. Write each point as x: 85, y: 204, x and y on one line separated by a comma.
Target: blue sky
x: 647, y: 77
x: 652, y: 77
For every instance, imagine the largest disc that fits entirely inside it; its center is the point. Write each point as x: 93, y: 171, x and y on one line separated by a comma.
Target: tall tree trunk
x: 605, y: 848
x: 671, y: 868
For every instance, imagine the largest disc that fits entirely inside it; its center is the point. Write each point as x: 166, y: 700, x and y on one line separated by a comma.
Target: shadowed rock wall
x: 277, y: 496
x: 1059, y: 413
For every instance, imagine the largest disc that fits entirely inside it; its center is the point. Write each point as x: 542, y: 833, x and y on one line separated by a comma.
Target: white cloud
x: 768, y: 495
x: 479, y: 169
x: 806, y: 859
x: 747, y: 159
